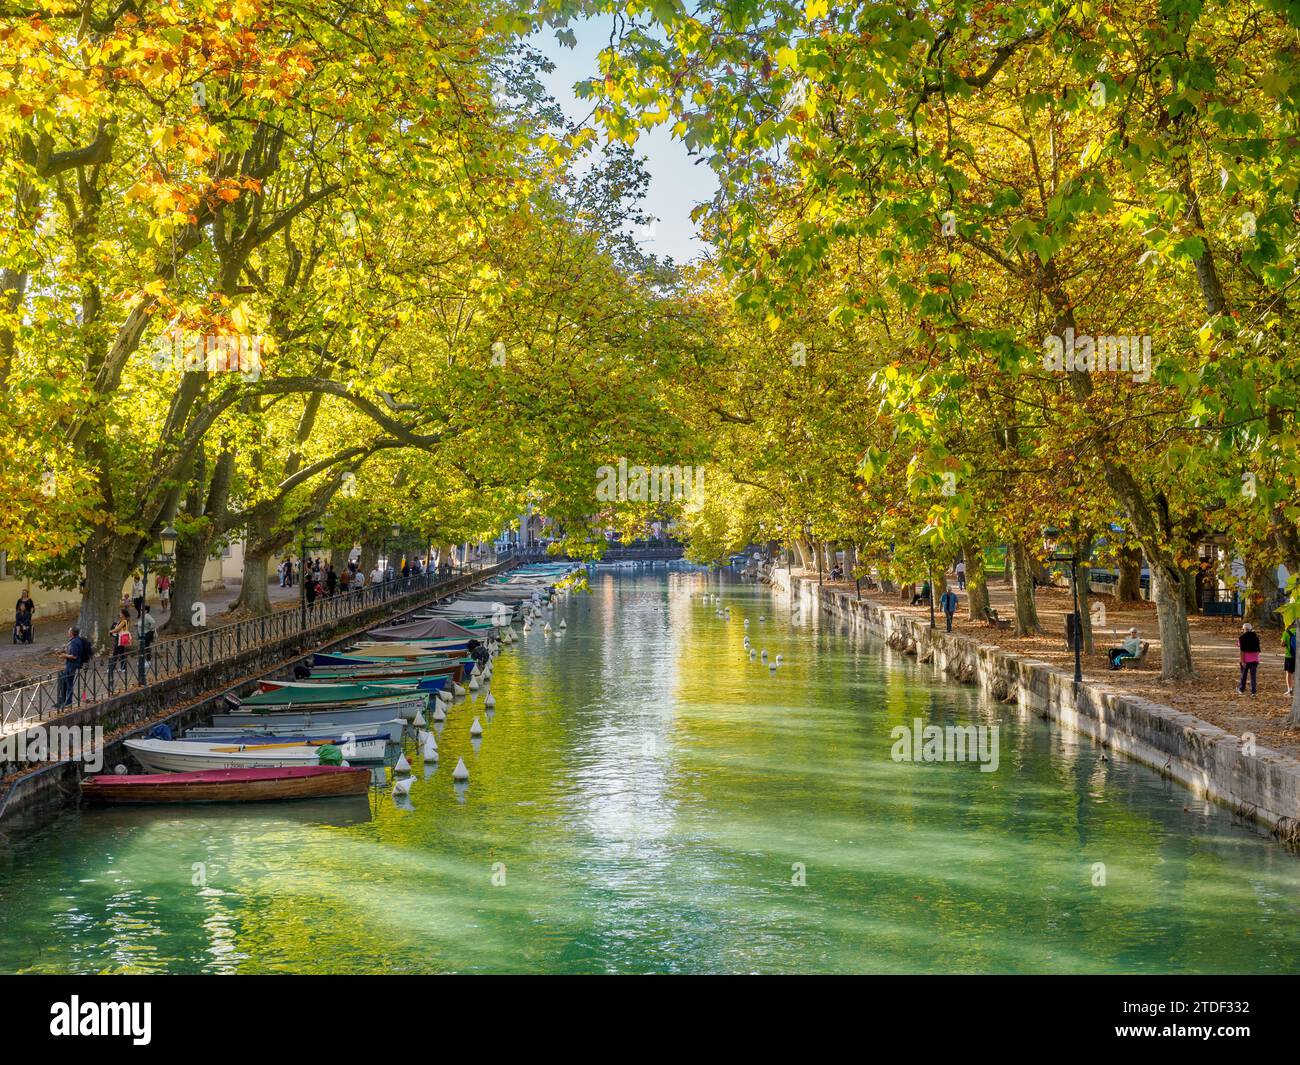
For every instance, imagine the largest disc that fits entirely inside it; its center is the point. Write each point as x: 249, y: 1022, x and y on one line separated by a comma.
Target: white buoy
x: 753, y: 653
x: 460, y: 772
x: 402, y: 766
x: 779, y: 659
x: 547, y: 628
x: 476, y: 729
x: 403, y: 786
x: 763, y: 655
x: 430, y: 748
x: 772, y: 666
x: 747, y: 623
x: 443, y: 695
x: 419, y: 719
x: 490, y: 701
x: 473, y: 684
x: 440, y: 714
x: 563, y: 624
x: 457, y: 689
x: 762, y: 617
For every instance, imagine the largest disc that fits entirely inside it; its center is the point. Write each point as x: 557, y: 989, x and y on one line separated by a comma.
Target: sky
x: 676, y: 183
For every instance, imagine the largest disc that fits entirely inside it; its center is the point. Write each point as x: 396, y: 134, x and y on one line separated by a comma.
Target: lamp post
x: 318, y: 537
x: 1050, y: 538
x: 167, y: 539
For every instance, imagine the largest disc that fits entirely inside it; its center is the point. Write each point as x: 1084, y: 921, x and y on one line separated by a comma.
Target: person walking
x: 948, y: 604
x: 77, y: 653
x: 1288, y: 662
x: 137, y: 593
x: 120, y: 637
x: 150, y: 627
x: 1248, y: 642
x: 331, y: 581
x: 345, y: 580
x: 23, y: 611
x: 375, y: 575
x: 961, y: 574
x: 163, y: 586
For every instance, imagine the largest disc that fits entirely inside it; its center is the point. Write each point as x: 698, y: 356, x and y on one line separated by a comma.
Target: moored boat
x: 436, y: 629
x: 356, y: 748
x: 307, y: 717
x: 264, y: 784
x: 392, y: 701
x: 265, y: 725
x: 192, y: 756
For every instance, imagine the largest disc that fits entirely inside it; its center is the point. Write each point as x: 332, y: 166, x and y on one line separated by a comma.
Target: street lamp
x: 317, y: 539
x: 1051, y: 537
x: 167, y: 539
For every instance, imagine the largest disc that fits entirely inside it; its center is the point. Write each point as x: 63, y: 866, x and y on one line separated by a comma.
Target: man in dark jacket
x: 75, y: 655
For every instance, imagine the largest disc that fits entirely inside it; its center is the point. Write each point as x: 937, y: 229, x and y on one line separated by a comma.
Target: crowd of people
x: 129, y: 633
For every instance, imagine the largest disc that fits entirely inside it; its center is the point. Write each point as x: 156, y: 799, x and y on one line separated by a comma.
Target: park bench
x: 991, y: 616
x: 1134, y: 661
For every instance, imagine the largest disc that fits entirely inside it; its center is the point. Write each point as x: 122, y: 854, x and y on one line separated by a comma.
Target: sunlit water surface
x: 646, y: 798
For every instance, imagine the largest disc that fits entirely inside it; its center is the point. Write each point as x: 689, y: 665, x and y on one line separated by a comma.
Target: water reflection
x: 645, y: 797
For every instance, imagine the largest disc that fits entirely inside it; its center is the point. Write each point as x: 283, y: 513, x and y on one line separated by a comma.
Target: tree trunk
x: 187, y: 584
x: 1171, y: 615
x: 254, y: 594
x: 1022, y: 584
x: 1261, y: 588
x: 977, y: 591
x: 1190, y: 602
x: 1129, y: 587
x: 1152, y: 529
x: 369, y: 558
x: 109, y: 561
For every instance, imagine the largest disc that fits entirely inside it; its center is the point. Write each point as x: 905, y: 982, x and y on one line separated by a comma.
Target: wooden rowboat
x: 229, y: 785
x: 195, y: 756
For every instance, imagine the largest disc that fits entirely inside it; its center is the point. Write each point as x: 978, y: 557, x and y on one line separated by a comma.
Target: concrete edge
x: 1261, y: 785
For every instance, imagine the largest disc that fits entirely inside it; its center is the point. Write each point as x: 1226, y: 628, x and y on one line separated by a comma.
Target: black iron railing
x: 38, y: 698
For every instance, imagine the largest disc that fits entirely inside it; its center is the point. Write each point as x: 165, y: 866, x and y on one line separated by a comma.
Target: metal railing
x: 104, y: 677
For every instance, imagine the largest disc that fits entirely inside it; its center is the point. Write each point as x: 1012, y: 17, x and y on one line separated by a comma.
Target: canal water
x: 646, y: 798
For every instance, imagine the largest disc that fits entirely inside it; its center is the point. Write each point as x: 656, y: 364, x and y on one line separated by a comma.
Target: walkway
x: 1212, y: 696
x: 19, y: 661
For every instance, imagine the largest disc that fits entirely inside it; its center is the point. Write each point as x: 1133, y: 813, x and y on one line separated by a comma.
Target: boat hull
x: 325, y: 718
x: 367, y: 748
x: 229, y: 785
x: 186, y: 756
x: 259, y: 726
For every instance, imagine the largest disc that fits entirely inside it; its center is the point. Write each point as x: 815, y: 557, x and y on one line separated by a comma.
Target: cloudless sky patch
x: 676, y: 183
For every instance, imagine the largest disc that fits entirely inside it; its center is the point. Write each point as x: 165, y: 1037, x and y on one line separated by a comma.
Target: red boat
x: 229, y: 785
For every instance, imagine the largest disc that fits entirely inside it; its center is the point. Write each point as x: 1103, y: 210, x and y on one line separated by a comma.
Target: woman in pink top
x: 1248, y: 641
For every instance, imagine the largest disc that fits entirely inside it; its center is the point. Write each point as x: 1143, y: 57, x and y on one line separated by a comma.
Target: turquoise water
x: 645, y: 798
